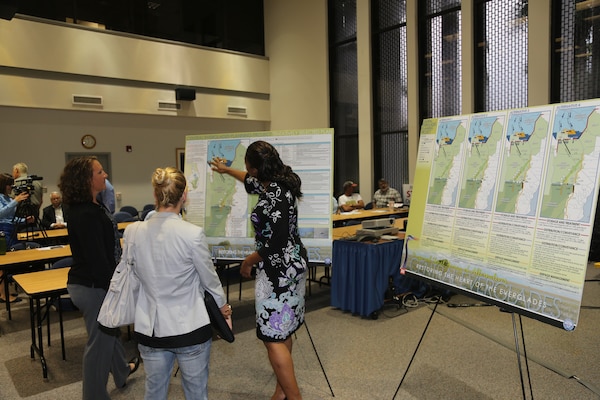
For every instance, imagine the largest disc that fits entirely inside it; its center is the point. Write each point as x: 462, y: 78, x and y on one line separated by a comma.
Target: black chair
x: 123, y: 216
x: 148, y: 207
x: 65, y: 302
x: 369, y: 206
x: 145, y: 213
x: 131, y: 210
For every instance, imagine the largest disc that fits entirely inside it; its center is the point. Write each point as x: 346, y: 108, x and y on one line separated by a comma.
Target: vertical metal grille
x: 390, y: 94
x: 576, y: 55
x: 441, y: 84
x: 343, y: 79
x: 501, y: 54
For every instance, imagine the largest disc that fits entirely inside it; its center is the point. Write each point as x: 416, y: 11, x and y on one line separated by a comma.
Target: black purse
x: 217, y: 321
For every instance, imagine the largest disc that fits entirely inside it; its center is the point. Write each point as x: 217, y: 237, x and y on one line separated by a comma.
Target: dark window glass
x: 390, y: 93
x: 501, y: 32
x: 440, y: 67
x: 343, y: 80
x: 236, y: 25
x: 576, y: 50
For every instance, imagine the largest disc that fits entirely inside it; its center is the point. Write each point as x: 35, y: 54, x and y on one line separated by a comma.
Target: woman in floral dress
x: 280, y: 257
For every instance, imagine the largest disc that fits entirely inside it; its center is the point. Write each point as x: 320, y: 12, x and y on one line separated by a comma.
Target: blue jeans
x: 193, y: 366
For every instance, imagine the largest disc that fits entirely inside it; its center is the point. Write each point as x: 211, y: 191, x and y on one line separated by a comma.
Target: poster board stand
x: 520, y: 359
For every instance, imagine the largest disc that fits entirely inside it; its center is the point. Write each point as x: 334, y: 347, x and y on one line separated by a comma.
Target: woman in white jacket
x: 174, y: 266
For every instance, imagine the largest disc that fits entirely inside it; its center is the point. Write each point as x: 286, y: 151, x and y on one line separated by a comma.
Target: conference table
x: 344, y: 218
x: 17, y: 261
x: 60, y: 234
x: 48, y: 284
x: 361, y: 271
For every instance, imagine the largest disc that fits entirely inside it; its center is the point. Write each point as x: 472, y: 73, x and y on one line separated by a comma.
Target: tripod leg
x: 418, y: 345
x: 318, y: 358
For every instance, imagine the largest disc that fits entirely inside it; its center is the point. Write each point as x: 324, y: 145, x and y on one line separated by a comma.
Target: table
x: 47, y: 284
x: 361, y: 215
x: 361, y: 273
x: 16, y: 261
x: 60, y: 233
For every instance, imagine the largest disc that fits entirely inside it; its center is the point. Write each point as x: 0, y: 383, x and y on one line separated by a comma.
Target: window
x: 576, y: 50
x: 500, y: 54
x: 343, y: 90
x: 390, y: 91
x: 440, y: 66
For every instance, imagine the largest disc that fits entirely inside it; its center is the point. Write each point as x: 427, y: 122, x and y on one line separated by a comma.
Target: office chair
x: 123, y: 216
x: 369, y: 206
x: 131, y: 210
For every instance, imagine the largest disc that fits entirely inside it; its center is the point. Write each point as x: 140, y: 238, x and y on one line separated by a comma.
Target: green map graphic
x: 481, y: 163
x: 444, y: 176
x: 573, y: 165
x: 520, y: 180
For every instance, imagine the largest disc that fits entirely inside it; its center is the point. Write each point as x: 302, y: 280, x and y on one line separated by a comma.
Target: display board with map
x: 503, y: 207
x: 220, y: 204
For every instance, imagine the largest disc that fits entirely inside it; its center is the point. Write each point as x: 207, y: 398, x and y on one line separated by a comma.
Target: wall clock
x: 88, y: 141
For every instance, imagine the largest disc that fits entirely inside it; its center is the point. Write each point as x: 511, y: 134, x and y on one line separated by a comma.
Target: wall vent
x: 87, y: 100
x: 168, y: 106
x: 232, y: 110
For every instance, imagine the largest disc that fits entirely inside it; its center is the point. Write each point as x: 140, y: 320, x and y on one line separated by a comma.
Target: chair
x: 369, y: 206
x: 131, y: 210
x: 148, y: 207
x: 65, y: 302
x: 145, y: 213
x: 123, y: 216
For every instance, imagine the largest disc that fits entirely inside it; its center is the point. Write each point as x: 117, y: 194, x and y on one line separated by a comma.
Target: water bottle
x: 2, y: 243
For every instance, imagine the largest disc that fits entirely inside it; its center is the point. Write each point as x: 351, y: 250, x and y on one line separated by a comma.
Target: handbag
x: 217, y: 320
x: 118, y: 307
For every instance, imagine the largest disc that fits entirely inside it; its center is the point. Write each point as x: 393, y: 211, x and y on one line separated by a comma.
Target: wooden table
x: 48, y: 284
x: 347, y: 231
x: 60, y: 233
x: 16, y: 261
x: 361, y: 215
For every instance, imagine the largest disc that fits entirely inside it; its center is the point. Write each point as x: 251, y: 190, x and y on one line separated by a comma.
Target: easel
x: 517, y: 348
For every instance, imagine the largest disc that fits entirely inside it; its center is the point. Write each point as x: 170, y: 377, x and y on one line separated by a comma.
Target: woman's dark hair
x: 265, y: 158
x: 5, y: 180
x: 76, y: 180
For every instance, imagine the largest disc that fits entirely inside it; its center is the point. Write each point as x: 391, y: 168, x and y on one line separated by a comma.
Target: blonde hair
x: 169, y: 185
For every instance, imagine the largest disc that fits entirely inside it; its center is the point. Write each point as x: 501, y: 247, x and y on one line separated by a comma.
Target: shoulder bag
x: 118, y: 307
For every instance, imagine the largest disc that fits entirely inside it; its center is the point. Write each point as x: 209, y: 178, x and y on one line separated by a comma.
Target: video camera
x: 26, y: 185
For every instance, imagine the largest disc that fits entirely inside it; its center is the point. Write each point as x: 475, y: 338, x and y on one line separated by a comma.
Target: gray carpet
x: 466, y: 353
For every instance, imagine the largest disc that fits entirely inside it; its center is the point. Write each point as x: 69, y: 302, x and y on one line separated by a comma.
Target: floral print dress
x: 281, y: 277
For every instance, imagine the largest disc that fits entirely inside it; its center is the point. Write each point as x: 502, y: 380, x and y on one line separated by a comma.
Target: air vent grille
x: 87, y: 100
x: 168, y: 106
x: 232, y: 110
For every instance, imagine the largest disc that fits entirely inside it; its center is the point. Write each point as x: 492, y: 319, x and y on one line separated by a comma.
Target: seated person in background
x: 349, y: 200
x: 385, y: 194
x: 56, y: 214
x: 334, y: 206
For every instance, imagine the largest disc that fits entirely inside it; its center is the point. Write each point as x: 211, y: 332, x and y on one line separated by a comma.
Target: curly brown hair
x: 76, y: 180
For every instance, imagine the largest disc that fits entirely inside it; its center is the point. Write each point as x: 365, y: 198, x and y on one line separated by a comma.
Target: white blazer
x: 174, y: 266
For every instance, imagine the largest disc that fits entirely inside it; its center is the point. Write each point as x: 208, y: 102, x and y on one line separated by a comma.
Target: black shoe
x: 136, y: 362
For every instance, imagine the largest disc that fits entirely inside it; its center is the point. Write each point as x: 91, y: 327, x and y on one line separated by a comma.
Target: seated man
x: 55, y: 215
x: 349, y: 200
x: 385, y: 194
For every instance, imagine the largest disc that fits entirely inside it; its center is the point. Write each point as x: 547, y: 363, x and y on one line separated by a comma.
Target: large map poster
x: 503, y: 207
x: 220, y: 204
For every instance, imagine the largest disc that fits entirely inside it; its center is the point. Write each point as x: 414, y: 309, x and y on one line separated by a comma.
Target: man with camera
x: 28, y: 183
